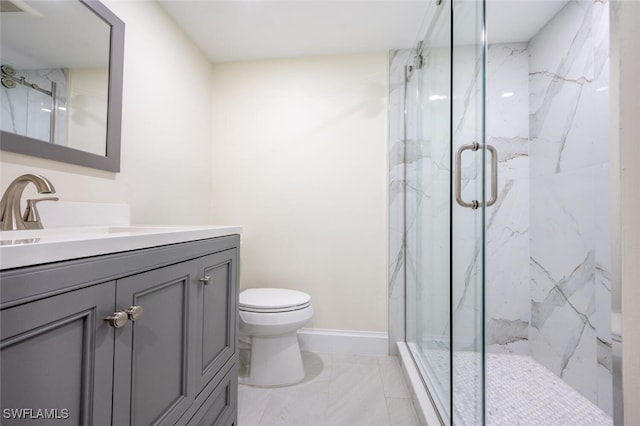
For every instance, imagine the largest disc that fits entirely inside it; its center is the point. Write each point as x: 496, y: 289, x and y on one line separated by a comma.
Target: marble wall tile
x: 570, y: 249
x: 563, y: 292
x: 14, y: 109
x: 507, y: 225
x: 566, y: 42
x: 561, y: 75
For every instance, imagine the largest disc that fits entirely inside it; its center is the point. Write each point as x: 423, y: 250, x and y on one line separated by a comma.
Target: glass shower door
x: 445, y: 195
x: 472, y: 191
x: 428, y: 208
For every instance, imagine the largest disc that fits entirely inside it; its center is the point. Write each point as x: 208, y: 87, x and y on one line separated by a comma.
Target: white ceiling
x: 237, y: 30
x: 234, y: 30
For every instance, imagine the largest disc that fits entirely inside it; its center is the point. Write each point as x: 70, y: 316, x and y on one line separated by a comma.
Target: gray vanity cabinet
x: 173, y: 365
x: 57, y: 354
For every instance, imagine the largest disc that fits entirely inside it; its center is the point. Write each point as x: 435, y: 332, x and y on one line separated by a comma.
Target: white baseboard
x: 343, y: 341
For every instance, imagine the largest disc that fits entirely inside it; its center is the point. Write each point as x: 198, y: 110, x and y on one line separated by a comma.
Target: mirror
x: 61, y: 72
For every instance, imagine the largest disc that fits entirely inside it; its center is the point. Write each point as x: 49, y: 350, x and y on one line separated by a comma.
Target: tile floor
x: 338, y: 390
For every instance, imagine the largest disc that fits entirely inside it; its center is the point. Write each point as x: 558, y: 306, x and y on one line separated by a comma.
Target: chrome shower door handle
x: 474, y: 204
x: 494, y: 175
x: 473, y: 147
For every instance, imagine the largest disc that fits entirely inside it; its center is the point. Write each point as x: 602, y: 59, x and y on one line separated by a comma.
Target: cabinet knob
x: 206, y: 280
x: 117, y: 319
x: 134, y: 312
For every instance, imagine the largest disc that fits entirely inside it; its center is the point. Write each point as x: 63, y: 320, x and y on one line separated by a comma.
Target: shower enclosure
x: 507, y: 212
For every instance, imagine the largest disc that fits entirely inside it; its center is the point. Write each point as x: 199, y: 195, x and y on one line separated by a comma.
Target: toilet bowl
x: 269, y: 320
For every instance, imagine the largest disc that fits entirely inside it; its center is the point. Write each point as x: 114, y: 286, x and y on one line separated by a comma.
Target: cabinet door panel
x: 57, y: 359
x: 152, y: 384
x: 216, y: 315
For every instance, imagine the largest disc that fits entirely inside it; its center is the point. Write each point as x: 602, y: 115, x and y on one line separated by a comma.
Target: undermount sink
x: 37, y: 246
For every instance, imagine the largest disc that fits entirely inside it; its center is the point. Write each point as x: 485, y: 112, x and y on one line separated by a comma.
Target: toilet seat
x: 273, y: 300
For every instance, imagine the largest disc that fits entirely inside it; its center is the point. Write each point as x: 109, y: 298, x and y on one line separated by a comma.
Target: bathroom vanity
x: 120, y: 325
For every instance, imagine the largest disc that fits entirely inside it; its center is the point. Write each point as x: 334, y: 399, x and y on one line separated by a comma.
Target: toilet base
x: 275, y: 361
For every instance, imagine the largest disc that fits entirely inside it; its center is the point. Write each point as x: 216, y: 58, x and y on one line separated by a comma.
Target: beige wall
x: 166, y: 130
x: 630, y: 206
x: 300, y: 162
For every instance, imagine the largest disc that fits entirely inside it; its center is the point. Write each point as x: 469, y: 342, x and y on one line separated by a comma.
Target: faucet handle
x: 31, y: 216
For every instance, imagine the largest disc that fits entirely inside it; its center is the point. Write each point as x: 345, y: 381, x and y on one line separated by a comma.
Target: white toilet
x: 269, y: 320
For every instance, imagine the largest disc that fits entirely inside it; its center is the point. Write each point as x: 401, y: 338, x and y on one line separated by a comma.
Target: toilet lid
x: 273, y: 300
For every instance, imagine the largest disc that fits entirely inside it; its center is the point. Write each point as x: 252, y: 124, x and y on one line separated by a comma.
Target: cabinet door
x: 57, y: 359
x: 151, y: 383
x: 216, y: 314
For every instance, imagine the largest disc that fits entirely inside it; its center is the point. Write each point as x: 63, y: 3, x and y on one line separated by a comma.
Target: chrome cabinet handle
x: 206, y: 280
x: 117, y: 319
x: 474, y: 204
x: 134, y: 312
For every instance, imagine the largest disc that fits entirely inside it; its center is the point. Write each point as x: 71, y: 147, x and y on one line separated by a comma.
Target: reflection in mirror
x: 55, y: 91
x: 61, y: 75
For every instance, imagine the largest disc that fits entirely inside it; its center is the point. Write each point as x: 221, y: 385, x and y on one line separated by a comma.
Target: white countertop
x: 34, y: 247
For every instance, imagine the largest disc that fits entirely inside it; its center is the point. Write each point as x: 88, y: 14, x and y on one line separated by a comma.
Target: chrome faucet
x: 10, y: 216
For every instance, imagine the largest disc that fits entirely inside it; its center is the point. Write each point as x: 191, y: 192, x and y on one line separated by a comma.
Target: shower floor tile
x: 520, y: 391
x: 338, y: 389
x: 523, y: 392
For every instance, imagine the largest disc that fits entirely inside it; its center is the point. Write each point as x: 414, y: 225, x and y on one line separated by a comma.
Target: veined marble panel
x: 507, y: 224
x: 570, y: 249
x: 563, y: 294
x: 561, y: 74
